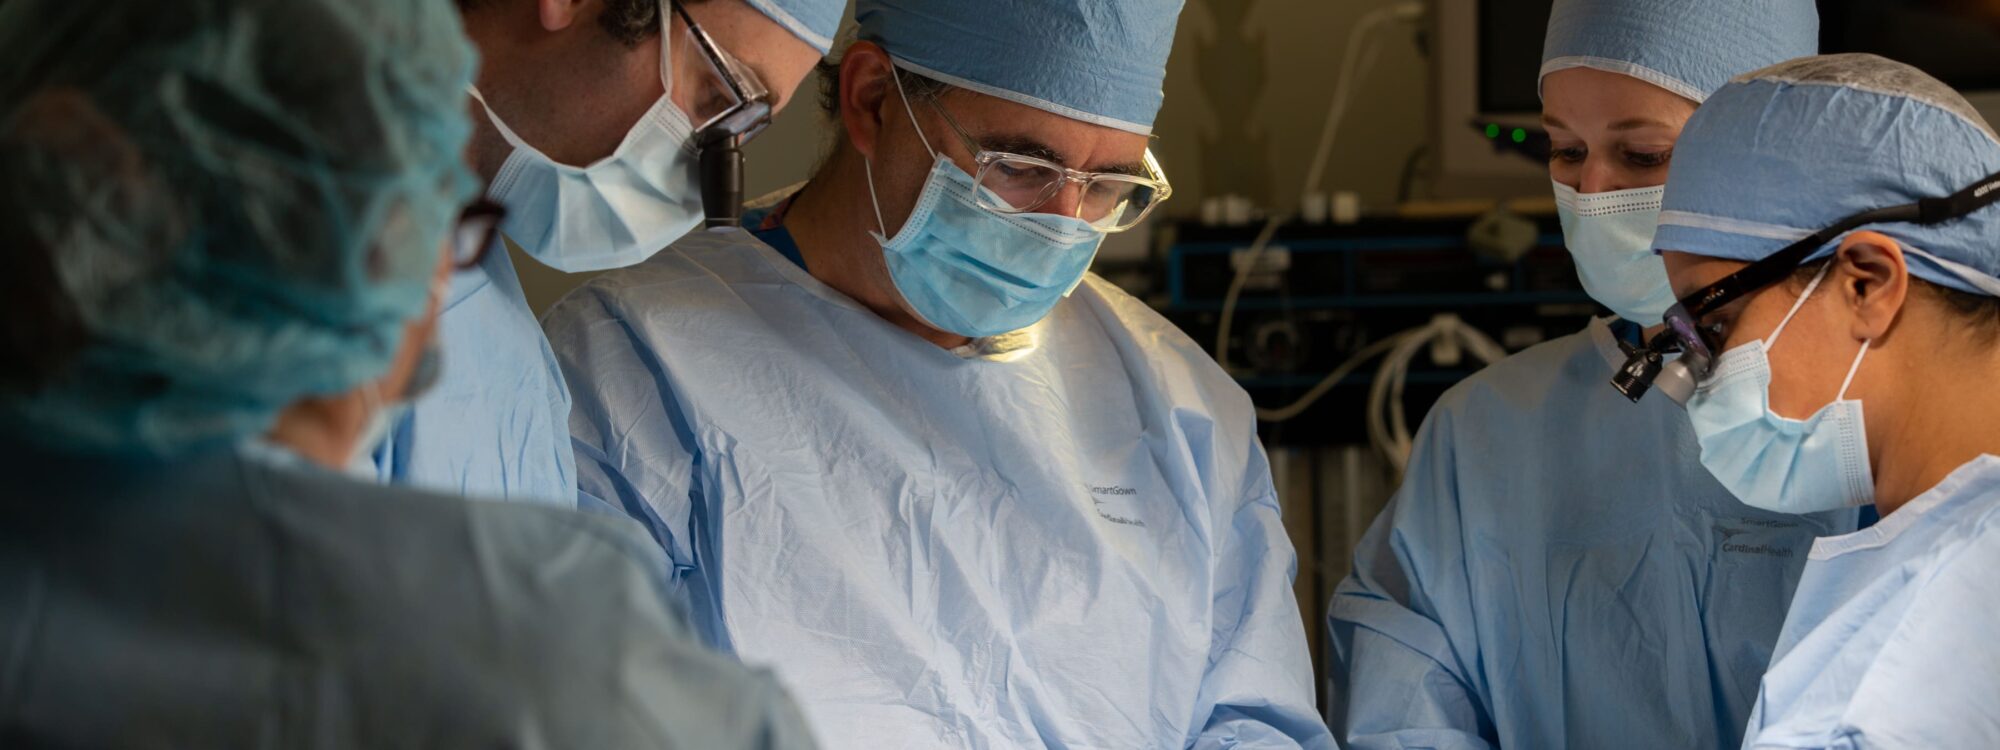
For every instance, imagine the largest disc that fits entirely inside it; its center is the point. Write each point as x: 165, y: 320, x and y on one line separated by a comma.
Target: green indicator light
x: 1492, y: 130
x: 1520, y: 136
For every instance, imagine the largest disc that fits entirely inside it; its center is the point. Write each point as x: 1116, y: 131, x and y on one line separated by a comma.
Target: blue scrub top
x: 768, y: 226
x: 1558, y: 570
x: 496, y: 424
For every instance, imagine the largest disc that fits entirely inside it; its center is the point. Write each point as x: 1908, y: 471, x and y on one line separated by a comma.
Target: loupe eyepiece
x: 722, y: 183
x: 1642, y: 366
x: 1677, y: 379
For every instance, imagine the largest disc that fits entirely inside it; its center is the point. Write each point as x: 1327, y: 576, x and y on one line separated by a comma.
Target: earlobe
x: 1875, y: 279
x: 557, y: 15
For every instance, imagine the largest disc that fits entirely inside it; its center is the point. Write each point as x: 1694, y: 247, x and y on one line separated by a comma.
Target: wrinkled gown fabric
x: 1064, y: 537
x: 1890, y: 641
x: 1558, y: 570
x: 242, y: 599
x: 496, y: 423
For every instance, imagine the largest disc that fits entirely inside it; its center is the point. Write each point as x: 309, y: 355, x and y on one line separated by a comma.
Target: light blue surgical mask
x: 1772, y: 462
x: 1610, y: 236
x: 972, y: 271
x: 615, y: 212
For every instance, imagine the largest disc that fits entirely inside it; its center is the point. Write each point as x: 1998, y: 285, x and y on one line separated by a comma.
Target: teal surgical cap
x: 1689, y: 47
x: 1096, y: 61
x: 234, y: 204
x: 1785, y: 151
x: 814, y: 21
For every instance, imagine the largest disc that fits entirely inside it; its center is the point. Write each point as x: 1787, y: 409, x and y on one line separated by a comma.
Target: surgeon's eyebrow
x: 1028, y: 146
x: 1636, y: 123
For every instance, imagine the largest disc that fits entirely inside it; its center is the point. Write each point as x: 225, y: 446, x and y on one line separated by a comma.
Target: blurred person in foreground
x: 231, y: 219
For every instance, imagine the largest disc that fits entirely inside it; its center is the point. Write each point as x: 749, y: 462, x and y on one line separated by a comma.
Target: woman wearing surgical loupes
x: 1558, y: 569
x: 1833, y: 226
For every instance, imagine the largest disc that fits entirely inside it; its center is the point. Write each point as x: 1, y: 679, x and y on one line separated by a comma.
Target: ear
x: 557, y: 15
x: 866, y: 93
x: 1874, y: 280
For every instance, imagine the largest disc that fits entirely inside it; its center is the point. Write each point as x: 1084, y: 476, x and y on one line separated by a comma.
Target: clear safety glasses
x: 1015, y: 184
x: 1646, y: 366
x: 473, y: 233
x: 727, y: 99
x: 729, y: 105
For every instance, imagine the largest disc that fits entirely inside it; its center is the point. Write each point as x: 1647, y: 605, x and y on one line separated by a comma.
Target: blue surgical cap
x: 814, y: 21
x: 1689, y: 47
x: 1096, y: 61
x: 1788, y: 150
x: 235, y: 203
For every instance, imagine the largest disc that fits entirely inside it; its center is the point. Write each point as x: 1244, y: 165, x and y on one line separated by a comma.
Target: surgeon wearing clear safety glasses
x: 900, y: 445
x: 608, y: 129
x: 1833, y: 229
x: 1557, y: 569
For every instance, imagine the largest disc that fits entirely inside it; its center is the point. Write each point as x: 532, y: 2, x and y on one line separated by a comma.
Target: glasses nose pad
x: 1040, y: 202
x: 1066, y: 198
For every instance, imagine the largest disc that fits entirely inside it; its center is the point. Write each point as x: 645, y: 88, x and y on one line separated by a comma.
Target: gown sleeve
x: 1398, y: 678
x: 634, y: 456
x: 1258, y: 691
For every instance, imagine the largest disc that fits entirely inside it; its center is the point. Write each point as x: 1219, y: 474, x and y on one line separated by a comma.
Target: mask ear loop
x: 667, y: 50
x: 868, y: 166
x: 1817, y: 278
x: 1852, y: 368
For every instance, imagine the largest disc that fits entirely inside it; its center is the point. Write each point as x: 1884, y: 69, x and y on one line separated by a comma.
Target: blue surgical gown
x: 240, y: 598
x: 1891, y: 640
x: 495, y: 425
x: 1558, y: 570
x: 1062, y: 537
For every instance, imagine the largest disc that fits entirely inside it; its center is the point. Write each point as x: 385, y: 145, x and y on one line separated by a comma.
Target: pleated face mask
x: 1610, y: 236
x: 1773, y: 462
x: 615, y: 212
x: 973, y: 271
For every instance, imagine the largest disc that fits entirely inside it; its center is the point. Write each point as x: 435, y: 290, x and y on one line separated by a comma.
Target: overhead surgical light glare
x: 1647, y: 366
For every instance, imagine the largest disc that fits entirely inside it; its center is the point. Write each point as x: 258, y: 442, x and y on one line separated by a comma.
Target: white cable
x: 1327, y: 383
x: 1352, y: 63
x: 1390, y: 433
x: 1236, y: 289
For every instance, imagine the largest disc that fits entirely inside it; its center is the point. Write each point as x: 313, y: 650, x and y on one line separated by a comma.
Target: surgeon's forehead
x: 1690, y: 272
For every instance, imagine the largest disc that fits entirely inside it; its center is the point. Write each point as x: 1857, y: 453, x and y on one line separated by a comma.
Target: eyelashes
x: 1635, y: 159
x: 1649, y: 160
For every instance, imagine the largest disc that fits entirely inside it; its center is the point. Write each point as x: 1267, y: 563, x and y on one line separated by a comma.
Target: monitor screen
x: 1954, y: 40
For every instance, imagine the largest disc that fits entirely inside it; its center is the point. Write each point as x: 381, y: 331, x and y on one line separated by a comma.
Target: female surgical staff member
x: 1557, y: 570
x: 224, y: 234
x: 1832, y: 227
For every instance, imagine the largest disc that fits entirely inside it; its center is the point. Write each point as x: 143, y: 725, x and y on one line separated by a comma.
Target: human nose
x: 1067, y: 200
x: 1599, y: 175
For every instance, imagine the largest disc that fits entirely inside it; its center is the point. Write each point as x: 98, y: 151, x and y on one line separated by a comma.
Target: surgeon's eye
x: 1649, y: 159
x: 1570, y: 154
